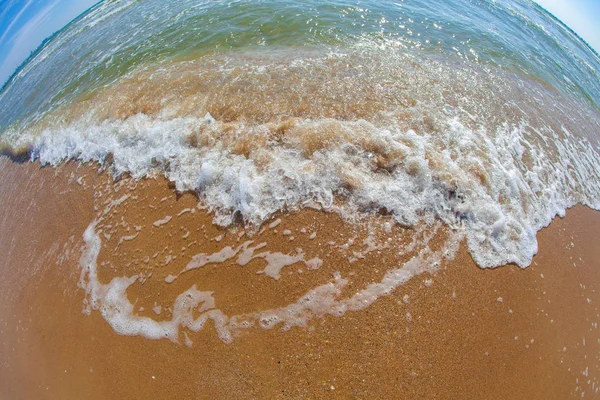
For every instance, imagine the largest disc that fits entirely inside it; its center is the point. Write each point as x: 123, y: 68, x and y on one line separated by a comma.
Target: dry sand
x: 464, y: 332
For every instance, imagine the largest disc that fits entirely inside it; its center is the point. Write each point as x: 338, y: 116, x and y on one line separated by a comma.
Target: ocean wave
x: 500, y: 189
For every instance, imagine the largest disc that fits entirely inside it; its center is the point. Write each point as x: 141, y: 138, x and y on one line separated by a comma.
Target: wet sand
x: 462, y: 332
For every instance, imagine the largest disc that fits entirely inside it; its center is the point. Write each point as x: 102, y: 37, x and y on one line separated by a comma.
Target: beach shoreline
x: 461, y: 331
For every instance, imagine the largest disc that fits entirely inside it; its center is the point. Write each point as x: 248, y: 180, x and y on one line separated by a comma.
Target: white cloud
x: 15, y: 19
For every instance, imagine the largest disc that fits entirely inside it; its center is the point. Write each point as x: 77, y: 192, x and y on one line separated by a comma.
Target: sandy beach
x: 299, y: 200
x: 461, y: 332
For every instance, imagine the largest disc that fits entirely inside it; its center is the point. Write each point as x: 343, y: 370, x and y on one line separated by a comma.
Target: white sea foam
x: 500, y: 187
x: 112, y: 302
x: 245, y: 253
x: 163, y: 221
x: 326, y: 299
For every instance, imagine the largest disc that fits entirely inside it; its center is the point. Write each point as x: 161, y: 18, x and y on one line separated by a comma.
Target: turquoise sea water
x: 481, y: 114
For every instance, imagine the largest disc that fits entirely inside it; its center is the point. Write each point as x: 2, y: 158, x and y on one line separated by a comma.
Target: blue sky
x: 24, y: 24
x: 583, y: 16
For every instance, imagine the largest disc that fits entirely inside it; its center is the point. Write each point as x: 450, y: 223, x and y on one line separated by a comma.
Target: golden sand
x: 464, y: 332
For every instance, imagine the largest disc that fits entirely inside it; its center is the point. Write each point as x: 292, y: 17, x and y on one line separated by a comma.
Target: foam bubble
x: 245, y: 253
x: 326, y: 299
x: 112, y: 302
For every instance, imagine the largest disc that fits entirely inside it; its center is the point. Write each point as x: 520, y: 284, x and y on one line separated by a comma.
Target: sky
x: 583, y: 16
x: 24, y: 24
